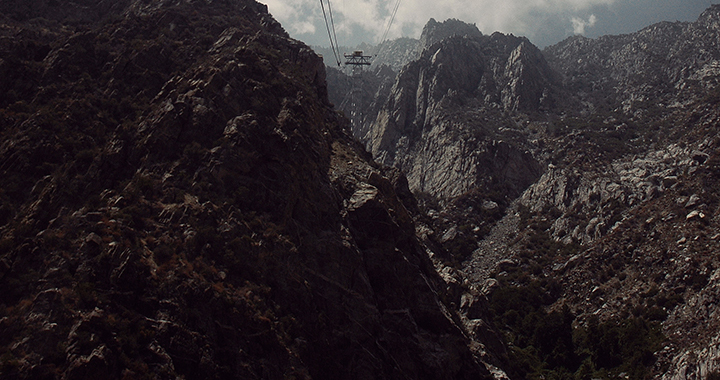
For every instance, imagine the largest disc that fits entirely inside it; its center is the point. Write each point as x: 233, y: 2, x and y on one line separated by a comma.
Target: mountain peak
x: 437, y: 31
x: 710, y: 17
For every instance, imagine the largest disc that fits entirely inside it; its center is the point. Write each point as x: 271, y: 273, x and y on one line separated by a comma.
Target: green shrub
x: 544, y: 344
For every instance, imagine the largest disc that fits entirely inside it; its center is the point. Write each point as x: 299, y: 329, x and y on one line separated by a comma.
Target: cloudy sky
x: 544, y: 22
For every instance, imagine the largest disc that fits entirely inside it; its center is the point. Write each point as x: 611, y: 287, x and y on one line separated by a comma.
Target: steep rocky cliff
x: 442, y: 122
x: 574, y: 187
x: 179, y: 200
x: 643, y: 95
x: 434, y: 32
x: 455, y: 122
x: 624, y: 216
x: 657, y: 69
x: 360, y: 94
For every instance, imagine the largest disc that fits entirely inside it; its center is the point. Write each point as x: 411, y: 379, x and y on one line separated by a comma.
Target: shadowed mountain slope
x: 179, y: 200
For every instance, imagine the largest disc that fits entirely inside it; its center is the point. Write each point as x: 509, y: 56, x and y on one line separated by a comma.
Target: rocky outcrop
x: 394, y: 54
x: 434, y: 31
x: 666, y: 65
x: 659, y: 261
x: 440, y: 123
x: 602, y: 205
x: 696, y: 364
x: 590, y: 201
x: 359, y: 96
x: 179, y: 200
x: 443, y: 121
x: 643, y: 211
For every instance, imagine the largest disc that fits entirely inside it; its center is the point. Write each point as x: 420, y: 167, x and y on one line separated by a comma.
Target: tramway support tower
x: 357, y: 60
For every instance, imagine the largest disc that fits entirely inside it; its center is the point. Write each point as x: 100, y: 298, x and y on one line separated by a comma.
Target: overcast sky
x: 544, y: 22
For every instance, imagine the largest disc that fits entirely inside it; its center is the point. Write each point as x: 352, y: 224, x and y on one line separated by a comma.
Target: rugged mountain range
x: 180, y: 200
x: 575, y: 187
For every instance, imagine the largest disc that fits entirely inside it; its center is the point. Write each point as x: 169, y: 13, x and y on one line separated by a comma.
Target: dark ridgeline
x: 179, y: 200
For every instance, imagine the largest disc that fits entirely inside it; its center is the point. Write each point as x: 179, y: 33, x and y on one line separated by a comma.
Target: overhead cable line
x: 333, y: 37
x: 387, y: 30
x: 332, y: 23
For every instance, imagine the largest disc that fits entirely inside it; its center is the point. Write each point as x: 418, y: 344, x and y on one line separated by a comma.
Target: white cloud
x: 365, y: 20
x: 579, y: 24
x: 280, y: 9
x: 303, y: 27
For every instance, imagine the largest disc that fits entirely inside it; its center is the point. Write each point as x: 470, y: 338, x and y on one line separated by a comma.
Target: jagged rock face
x: 434, y: 31
x: 658, y: 76
x: 396, y: 53
x: 357, y: 95
x: 180, y: 201
x: 361, y: 93
x: 646, y: 218
x: 614, y: 186
x: 603, y: 193
x: 666, y: 65
x: 660, y: 260
x: 440, y: 121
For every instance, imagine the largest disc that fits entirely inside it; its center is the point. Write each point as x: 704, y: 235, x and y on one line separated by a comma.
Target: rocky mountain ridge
x: 448, y: 76
x: 666, y: 65
x: 434, y: 32
x: 537, y: 172
x: 180, y: 200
